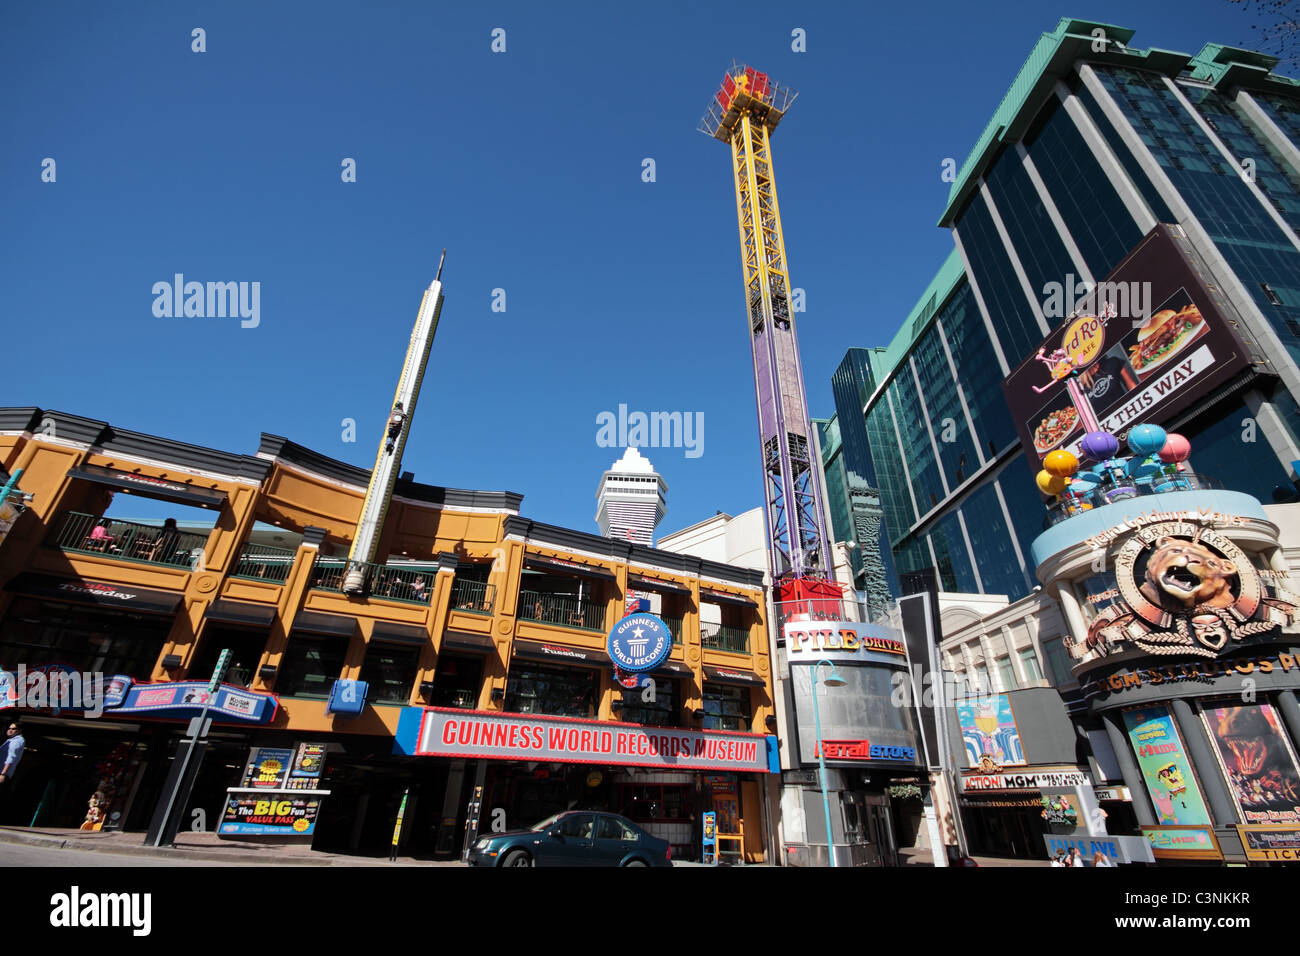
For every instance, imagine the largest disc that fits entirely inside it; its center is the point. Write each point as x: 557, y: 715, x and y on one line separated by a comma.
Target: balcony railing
x: 674, y: 627
x: 128, y: 541
x: 389, y: 582
x: 260, y: 562
x: 564, y: 611
x: 1111, y: 490
x: 477, y: 597
x: 727, y: 638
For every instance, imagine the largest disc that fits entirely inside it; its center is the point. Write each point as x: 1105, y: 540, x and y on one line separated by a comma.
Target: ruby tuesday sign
x: 457, y: 733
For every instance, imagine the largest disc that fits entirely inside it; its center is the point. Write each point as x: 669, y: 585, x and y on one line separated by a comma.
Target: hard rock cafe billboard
x: 1185, y: 589
x: 1171, y: 342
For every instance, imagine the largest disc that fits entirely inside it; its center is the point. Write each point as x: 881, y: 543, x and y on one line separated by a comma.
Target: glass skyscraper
x: 1095, y: 143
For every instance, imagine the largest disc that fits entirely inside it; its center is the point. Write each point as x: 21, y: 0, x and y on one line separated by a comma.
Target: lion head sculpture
x: 1182, y: 575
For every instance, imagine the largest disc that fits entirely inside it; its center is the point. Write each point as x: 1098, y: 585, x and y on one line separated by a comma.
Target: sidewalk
x: 916, y: 857
x: 199, y: 847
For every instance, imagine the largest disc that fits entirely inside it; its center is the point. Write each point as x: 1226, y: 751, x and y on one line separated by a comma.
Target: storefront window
x: 536, y: 689
x: 310, y: 666
x: 457, y: 680
x: 725, y: 708
x: 663, y: 709
x: 390, y: 671
x: 85, y: 638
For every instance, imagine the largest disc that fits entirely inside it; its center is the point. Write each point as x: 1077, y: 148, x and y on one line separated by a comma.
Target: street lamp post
x: 834, y: 680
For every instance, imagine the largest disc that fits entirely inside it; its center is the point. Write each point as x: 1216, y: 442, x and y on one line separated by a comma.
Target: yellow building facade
x: 476, y: 610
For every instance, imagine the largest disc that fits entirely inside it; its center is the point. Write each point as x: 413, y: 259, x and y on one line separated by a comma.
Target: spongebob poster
x: 1165, y: 767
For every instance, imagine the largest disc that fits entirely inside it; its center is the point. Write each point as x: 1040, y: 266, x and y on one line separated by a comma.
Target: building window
x: 87, y: 639
x: 1007, y: 673
x: 535, y: 689
x: 664, y: 710
x: 1058, y: 661
x: 1029, y: 661
x: 725, y: 708
x: 457, y: 681
x: 310, y: 666
x: 390, y: 671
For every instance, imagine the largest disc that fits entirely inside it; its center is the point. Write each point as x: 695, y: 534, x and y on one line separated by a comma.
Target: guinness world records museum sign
x: 1192, y: 663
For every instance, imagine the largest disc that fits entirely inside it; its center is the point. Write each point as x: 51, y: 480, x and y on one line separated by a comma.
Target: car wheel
x: 517, y: 858
x: 636, y: 863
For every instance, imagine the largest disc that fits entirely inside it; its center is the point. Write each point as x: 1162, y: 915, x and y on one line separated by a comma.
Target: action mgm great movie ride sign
x: 1170, y: 341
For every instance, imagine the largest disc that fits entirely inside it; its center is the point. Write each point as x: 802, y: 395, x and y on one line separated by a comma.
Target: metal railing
x: 385, y: 581
x: 476, y: 597
x: 128, y: 541
x: 260, y: 562
x: 727, y: 638
x: 674, y: 627
x: 1112, y: 489
x: 564, y: 611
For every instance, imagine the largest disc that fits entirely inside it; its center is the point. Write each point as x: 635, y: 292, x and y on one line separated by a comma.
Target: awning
x: 474, y: 643
x: 721, y: 597
x: 560, y: 654
x: 318, y: 622
x: 725, y: 675
x: 98, y: 593
x: 653, y: 584
x: 392, y: 633
x: 569, y: 567
x: 240, y: 612
x: 174, y: 491
x: 676, y: 668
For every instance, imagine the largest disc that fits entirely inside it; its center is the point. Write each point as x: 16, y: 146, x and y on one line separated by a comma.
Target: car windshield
x: 547, y: 823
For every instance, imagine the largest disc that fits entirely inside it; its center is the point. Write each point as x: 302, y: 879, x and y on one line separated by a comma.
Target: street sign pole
x: 163, y: 828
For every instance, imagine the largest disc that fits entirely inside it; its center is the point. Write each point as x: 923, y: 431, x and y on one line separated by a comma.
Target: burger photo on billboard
x: 1164, y: 335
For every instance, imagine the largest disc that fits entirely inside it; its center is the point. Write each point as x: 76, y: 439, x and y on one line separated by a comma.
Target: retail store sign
x: 1183, y: 843
x: 639, y: 642
x: 1203, y: 671
x: 181, y: 699
x: 458, y: 733
x: 273, y: 813
x: 1029, y: 780
x: 1117, y: 849
x: 1270, y: 843
x: 863, y: 750
x: 809, y: 641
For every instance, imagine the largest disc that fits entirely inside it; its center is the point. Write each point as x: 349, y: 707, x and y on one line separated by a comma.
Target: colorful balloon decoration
x: 1099, y: 446
x: 1146, y: 440
x: 1060, y: 463
x: 1050, y: 484
x: 1176, y: 449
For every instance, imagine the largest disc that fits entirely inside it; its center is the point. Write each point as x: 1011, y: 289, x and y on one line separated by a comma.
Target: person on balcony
x: 395, y: 423
x: 164, y: 546
x: 100, y: 539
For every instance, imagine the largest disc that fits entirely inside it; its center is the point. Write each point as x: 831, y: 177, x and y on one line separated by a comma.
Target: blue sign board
x: 639, y: 642
x: 347, y: 698
x: 187, y: 699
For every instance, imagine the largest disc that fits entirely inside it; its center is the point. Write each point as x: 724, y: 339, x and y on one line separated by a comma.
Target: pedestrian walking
x: 11, y: 751
x: 1076, y: 858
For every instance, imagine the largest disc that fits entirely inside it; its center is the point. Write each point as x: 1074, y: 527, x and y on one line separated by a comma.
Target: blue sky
x: 527, y: 165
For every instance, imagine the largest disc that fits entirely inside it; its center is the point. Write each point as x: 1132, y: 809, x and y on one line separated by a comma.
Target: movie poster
x: 1261, y: 768
x: 1165, y: 768
x: 989, y: 732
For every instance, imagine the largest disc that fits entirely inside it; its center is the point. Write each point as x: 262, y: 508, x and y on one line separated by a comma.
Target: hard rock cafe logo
x: 1186, y: 589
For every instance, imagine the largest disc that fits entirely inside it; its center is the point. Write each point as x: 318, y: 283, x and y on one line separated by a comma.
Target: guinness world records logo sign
x: 639, y: 642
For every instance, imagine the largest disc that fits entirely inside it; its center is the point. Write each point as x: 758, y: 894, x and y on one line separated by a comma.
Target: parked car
x: 573, y: 838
